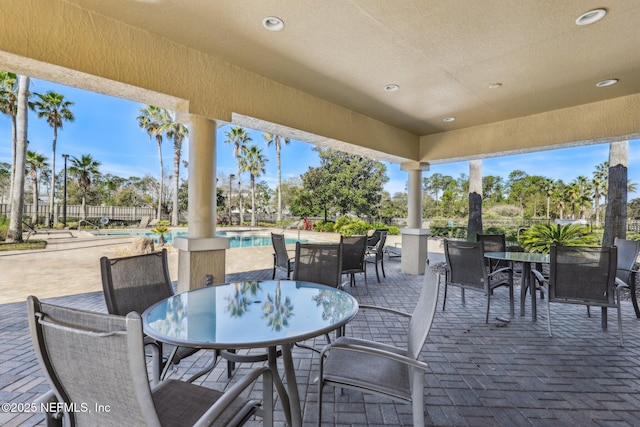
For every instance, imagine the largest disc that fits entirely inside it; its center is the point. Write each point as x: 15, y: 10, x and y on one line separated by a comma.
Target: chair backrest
x: 93, y: 358
x: 493, y: 243
x: 374, y: 238
x: 280, y: 249
x: 318, y: 263
x: 422, y: 317
x: 135, y: 283
x: 583, y: 275
x: 379, y: 245
x: 353, y: 251
x: 466, y: 263
x: 627, y: 256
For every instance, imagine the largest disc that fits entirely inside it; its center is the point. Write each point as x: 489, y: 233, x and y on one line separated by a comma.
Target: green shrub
x: 323, y: 226
x: 393, y: 230
x: 539, y: 238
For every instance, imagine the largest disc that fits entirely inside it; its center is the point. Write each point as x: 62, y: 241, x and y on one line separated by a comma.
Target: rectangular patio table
x: 253, y: 314
x: 526, y: 258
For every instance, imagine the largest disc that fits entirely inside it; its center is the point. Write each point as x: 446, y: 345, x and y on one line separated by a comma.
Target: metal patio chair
x: 582, y: 275
x: 375, y: 254
x: 96, y: 362
x: 466, y: 268
x: 382, y: 369
x: 626, y: 268
x: 354, y: 249
x: 281, y: 259
x: 318, y: 263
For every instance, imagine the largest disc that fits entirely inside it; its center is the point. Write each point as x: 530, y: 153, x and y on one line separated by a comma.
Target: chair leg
x: 377, y: 275
x: 619, y: 318
x: 273, y: 276
x: 444, y: 299
x: 382, y: 266
x: 549, y: 314
x: 486, y: 320
x: 634, y: 298
x: 417, y: 397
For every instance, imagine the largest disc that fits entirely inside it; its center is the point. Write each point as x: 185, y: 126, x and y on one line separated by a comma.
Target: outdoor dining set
x: 121, y: 361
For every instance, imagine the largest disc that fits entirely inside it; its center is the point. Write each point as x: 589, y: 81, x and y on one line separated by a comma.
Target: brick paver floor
x: 495, y: 374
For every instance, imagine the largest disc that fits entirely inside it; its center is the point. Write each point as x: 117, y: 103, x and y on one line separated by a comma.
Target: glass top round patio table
x: 253, y: 314
x: 526, y: 258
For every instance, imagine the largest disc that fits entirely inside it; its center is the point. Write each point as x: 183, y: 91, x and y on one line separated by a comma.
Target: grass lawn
x: 31, y: 244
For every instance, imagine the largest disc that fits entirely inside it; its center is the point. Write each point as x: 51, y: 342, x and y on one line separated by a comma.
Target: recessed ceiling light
x: 590, y: 17
x: 495, y: 85
x: 273, y: 23
x: 392, y: 87
x: 607, y: 82
x: 449, y: 119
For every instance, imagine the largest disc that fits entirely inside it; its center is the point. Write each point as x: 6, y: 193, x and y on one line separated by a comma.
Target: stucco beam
x: 606, y: 121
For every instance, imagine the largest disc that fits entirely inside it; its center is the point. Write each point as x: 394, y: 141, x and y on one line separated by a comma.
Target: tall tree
x: 8, y: 106
x: 276, y: 140
x: 474, y: 223
x: 343, y: 183
x: 238, y: 137
x: 36, y: 162
x: 177, y: 132
x: 52, y: 107
x: 84, y: 169
x: 151, y: 119
x: 14, y: 233
x: 253, y: 162
x: 615, y: 224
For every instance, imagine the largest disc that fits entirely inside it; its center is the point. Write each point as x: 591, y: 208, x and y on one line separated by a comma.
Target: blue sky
x: 107, y: 129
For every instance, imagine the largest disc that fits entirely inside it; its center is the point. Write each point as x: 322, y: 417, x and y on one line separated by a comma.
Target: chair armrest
x: 621, y: 284
x: 385, y: 309
x: 374, y: 351
x: 500, y: 270
x: 539, y: 276
x: 232, y: 393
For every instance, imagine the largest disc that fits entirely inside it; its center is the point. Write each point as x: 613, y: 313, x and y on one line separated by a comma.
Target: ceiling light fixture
x: 495, y: 85
x: 273, y: 23
x: 590, y: 17
x: 392, y: 87
x: 449, y: 119
x: 607, y: 82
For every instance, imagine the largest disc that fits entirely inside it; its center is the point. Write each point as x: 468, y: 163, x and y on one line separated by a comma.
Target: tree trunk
x: 159, y: 140
x: 176, y: 186
x: 34, y: 217
x: 253, y: 201
x: 615, y: 221
x: 14, y: 233
x: 474, y: 225
x: 240, y: 205
x: 14, y: 145
x: 52, y: 189
x: 279, y: 216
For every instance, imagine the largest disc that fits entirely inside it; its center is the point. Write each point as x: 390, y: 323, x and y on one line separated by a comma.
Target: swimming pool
x: 237, y: 239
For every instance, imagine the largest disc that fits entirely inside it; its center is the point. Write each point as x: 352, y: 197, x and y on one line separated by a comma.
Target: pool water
x: 237, y: 239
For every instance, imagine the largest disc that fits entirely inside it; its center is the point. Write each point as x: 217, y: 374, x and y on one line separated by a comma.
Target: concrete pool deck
x: 70, y: 265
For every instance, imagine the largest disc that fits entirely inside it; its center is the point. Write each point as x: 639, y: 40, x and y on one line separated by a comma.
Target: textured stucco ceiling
x: 443, y: 54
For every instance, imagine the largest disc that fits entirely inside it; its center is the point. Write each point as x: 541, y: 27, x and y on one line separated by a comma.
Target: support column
x: 414, y: 237
x: 201, y: 253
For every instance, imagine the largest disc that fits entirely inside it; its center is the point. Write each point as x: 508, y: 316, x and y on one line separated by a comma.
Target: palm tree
x: 540, y: 237
x: 602, y: 173
x: 253, y: 161
x: 270, y: 138
x: 549, y: 188
x: 14, y: 232
x: 55, y: 110
x: 84, y: 168
x: 151, y: 119
x: 239, y: 138
x: 598, y: 185
x: 9, y: 106
x: 35, y: 163
x: 177, y: 132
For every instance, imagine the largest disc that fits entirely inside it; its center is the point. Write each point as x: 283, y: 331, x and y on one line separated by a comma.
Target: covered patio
x: 496, y: 374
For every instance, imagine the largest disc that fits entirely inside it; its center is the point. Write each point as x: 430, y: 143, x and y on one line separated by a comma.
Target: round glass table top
x: 249, y: 314
x: 519, y: 256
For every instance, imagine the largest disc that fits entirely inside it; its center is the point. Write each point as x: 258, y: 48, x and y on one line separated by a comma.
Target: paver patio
x: 481, y: 374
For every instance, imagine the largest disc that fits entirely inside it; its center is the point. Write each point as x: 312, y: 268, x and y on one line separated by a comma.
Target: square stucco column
x: 414, y: 238
x: 201, y: 253
x: 414, y: 250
